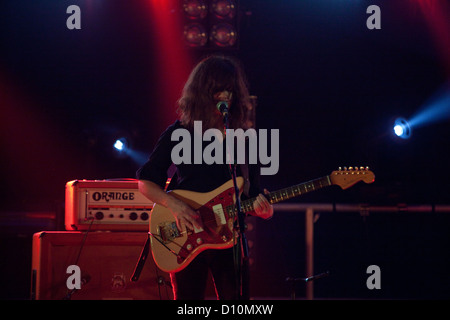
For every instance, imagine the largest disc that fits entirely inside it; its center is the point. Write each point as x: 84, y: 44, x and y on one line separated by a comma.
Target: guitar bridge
x: 168, y: 231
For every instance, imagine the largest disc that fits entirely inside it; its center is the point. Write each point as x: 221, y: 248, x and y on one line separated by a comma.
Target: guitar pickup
x: 219, y: 214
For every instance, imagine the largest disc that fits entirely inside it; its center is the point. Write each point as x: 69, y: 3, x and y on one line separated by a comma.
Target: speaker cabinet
x: 106, y: 262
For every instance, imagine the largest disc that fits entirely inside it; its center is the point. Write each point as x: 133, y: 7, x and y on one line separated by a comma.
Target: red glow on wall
x: 32, y: 147
x: 173, y: 58
x: 437, y: 15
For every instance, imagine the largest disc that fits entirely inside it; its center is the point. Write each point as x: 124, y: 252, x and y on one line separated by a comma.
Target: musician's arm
x: 154, y: 192
x: 181, y: 211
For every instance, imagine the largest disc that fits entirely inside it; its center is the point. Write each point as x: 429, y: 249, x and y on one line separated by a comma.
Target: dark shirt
x: 195, y: 177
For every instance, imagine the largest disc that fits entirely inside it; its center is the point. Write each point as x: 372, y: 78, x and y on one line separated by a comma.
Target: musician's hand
x: 262, y: 206
x: 183, y: 213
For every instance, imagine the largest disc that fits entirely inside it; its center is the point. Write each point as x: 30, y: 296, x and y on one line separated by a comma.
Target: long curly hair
x: 212, y: 75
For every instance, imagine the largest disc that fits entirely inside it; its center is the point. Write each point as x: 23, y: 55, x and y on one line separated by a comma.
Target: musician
x: 214, y: 79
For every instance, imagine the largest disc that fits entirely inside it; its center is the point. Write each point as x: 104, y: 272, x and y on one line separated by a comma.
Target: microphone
x: 222, y: 106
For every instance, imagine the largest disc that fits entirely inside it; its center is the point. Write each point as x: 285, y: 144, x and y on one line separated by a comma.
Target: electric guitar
x: 174, y: 249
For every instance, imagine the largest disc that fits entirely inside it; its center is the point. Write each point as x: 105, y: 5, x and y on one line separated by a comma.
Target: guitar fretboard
x: 289, y: 192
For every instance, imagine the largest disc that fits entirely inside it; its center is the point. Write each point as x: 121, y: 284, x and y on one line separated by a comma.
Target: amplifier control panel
x: 106, y: 205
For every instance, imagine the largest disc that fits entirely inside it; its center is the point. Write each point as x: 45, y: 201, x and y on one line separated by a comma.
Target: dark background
x: 329, y: 84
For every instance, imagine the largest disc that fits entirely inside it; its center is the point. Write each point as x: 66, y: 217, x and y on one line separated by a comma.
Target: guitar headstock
x: 347, y: 177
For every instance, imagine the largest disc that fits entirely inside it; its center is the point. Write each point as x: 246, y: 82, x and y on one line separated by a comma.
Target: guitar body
x: 174, y: 249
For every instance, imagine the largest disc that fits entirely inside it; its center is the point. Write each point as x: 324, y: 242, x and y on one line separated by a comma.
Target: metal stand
x: 142, y: 259
x: 239, y: 226
x: 364, y: 210
x: 308, y: 280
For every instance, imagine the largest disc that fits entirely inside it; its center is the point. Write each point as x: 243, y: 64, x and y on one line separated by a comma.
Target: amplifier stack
x: 107, y: 223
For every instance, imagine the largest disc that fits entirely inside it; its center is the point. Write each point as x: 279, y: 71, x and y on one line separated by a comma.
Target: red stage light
x: 223, y: 35
x: 173, y: 60
x: 215, y: 24
x: 195, y: 35
x: 437, y: 15
x: 195, y: 9
x: 223, y: 9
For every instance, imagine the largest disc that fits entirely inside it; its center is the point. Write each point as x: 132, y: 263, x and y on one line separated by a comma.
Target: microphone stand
x: 239, y: 225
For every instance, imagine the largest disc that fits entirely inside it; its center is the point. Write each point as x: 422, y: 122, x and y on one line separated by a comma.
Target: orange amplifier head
x: 115, y: 205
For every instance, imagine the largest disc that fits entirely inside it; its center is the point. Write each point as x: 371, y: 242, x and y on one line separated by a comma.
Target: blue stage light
x: 436, y: 109
x: 121, y: 145
x: 402, y: 129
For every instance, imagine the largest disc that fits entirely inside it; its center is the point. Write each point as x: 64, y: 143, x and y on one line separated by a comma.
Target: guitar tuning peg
x: 345, y: 168
x: 361, y: 168
x: 340, y: 168
x: 367, y: 168
x: 350, y: 168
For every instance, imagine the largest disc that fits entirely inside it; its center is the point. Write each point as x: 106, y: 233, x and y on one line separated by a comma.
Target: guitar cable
x: 164, y: 245
x: 69, y: 294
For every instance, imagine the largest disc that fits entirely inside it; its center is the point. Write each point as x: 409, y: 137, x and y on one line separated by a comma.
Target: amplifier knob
x: 144, y: 216
x: 99, y: 215
x: 133, y: 216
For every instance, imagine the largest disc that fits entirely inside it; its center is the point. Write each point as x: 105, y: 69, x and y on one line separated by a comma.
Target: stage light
x: 195, y: 35
x: 402, y: 129
x: 223, y: 9
x: 121, y: 145
x: 195, y: 9
x: 212, y: 23
x: 123, y: 149
x: 435, y: 110
x: 118, y: 145
x: 223, y: 35
x: 398, y: 130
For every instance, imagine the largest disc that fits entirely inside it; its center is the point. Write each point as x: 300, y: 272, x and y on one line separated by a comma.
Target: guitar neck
x: 290, y: 192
